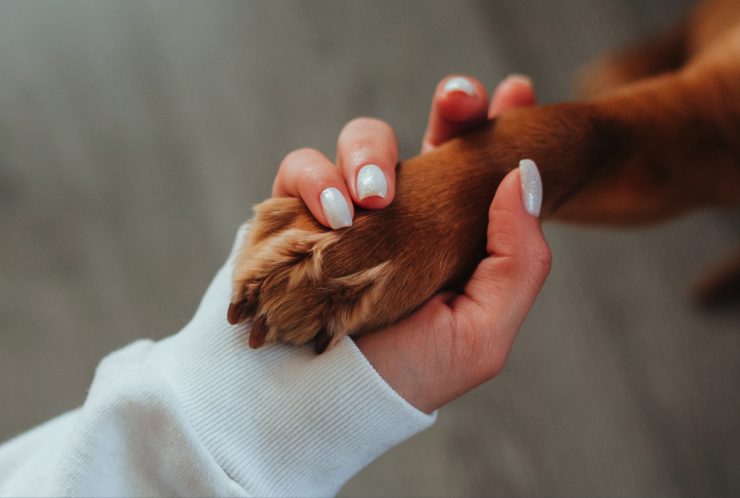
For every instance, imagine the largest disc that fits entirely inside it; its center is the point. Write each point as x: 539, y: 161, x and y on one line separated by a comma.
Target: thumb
x: 505, y: 284
x: 513, y: 220
x: 434, y: 356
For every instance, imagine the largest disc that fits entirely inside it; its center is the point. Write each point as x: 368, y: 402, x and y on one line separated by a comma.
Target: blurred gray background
x: 134, y: 137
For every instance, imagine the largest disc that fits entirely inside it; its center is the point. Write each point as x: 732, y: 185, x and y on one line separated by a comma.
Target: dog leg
x: 648, y: 152
x: 667, y: 52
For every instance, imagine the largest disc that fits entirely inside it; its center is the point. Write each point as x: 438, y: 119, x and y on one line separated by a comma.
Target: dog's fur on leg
x: 656, y: 138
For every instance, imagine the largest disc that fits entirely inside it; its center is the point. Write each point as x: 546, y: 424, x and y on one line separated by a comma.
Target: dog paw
x: 299, y: 281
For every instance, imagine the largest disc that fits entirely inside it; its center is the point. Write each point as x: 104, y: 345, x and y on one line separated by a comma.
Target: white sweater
x: 201, y: 414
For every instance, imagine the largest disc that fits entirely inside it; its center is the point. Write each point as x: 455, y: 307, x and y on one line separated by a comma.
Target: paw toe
x: 239, y: 311
x: 322, y: 341
x: 258, y: 334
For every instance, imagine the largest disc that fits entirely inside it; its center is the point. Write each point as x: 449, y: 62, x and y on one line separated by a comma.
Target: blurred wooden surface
x: 135, y: 136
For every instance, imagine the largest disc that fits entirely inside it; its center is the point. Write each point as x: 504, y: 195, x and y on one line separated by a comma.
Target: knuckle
x: 363, y: 126
x: 366, y: 140
x: 361, y: 146
x: 297, y: 155
x: 368, y: 121
x: 497, y: 365
x: 493, y: 366
x: 542, y: 259
x: 351, y: 127
x: 380, y: 125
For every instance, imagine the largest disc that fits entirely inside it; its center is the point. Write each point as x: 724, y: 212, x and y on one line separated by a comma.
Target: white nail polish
x: 335, y: 208
x: 460, y: 84
x: 531, y: 186
x: 371, y: 182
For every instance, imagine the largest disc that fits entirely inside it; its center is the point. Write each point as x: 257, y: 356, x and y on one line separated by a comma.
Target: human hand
x: 367, y: 153
x: 454, y: 342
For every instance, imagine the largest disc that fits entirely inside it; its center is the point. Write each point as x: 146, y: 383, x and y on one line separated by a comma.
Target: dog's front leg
x: 625, y: 159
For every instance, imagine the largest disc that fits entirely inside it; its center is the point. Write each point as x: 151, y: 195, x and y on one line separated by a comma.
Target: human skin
x: 456, y: 341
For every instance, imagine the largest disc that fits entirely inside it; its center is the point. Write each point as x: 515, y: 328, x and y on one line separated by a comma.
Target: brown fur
x: 656, y: 137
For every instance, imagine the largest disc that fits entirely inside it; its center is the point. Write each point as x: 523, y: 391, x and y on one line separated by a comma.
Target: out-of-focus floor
x: 134, y: 137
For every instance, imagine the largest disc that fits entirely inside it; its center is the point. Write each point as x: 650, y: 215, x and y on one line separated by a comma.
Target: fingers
x: 367, y: 154
x: 459, y: 103
x: 367, y: 151
x: 514, y: 91
x: 307, y: 174
x: 506, y: 283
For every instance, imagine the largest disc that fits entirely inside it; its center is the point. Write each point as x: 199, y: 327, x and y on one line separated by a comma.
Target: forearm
x: 200, y: 413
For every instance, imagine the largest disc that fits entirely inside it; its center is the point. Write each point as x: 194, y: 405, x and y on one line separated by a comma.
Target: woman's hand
x: 454, y: 342
x: 367, y: 153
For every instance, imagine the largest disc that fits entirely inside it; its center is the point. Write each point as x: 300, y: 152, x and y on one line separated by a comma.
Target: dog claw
x: 321, y: 342
x: 258, y: 333
x: 240, y: 311
x: 234, y: 313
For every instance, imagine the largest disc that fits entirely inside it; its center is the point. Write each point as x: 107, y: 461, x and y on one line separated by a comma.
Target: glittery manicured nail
x: 335, y: 208
x: 531, y: 186
x: 371, y: 182
x: 460, y: 84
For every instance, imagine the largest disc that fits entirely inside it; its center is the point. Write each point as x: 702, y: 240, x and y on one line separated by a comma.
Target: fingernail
x: 520, y: 78
x: 335, y: 208
x: 371, y: 182
x: 531, y: 186
x: 460, y: 84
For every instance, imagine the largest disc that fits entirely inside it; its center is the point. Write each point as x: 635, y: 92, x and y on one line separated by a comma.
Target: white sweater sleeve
x: 200, y: 413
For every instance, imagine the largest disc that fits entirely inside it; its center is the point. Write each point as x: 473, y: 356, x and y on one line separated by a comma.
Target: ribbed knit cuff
x: 281, y: 421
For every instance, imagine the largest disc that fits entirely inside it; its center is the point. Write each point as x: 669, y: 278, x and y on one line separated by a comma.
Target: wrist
x: 404, y: 366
